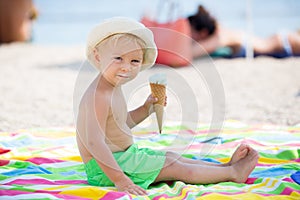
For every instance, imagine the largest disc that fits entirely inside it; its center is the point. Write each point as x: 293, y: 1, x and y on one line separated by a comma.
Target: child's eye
x: 136, y: 61
x: 118, y: 58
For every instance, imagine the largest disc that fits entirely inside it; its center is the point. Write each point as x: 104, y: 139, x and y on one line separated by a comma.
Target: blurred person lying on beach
x: 119, y: 48
x: 16, y: 18
x: 213, y: 37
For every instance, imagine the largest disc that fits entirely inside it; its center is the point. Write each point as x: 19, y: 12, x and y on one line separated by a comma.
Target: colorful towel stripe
x: 45, y: 164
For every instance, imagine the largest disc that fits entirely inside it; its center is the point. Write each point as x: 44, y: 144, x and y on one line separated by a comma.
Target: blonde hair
x: 113, y: 40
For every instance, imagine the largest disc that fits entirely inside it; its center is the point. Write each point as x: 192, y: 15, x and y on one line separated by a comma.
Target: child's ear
x: 96, y: 55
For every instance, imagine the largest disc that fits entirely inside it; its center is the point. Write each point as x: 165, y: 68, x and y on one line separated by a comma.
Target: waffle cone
x: 159, y: 91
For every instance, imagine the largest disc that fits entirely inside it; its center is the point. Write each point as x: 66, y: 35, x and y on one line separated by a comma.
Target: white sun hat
x: 117, y: 25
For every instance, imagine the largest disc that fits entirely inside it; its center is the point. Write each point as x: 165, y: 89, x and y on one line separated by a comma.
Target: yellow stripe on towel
x: 87, y: 192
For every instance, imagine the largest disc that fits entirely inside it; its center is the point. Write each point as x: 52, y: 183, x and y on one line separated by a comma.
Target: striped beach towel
x: 45, y: 163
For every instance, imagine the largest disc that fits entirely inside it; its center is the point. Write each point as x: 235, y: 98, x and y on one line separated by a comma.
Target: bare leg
x: 239, y: 153
x: 268, y: 45
x: 238, y: 172
x: 176, y: 156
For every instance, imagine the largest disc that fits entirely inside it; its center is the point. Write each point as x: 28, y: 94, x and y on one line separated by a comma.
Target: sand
x: 37, y: 84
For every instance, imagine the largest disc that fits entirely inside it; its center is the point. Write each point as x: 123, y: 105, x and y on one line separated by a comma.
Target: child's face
x: 122, y: 62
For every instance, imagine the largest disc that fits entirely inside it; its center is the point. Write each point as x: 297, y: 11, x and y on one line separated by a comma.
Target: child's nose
x: 126, y: 68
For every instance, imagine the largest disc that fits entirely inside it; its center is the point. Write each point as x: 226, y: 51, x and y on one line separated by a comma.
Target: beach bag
x: 172, y: 37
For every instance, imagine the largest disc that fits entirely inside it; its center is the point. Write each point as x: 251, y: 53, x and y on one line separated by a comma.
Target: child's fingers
x: 137, y: 190
x: 152, y: 99
x: 165, y: 101
x: 141, y: 191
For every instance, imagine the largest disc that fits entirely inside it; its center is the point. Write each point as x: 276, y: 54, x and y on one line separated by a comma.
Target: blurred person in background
x: 16, y: 18
x: 220, y: 41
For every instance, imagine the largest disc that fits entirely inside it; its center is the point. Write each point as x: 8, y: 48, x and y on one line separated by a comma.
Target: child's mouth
x: 123, y: 76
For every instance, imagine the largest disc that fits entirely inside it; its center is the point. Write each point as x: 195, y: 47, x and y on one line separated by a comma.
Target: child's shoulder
x: 98, y: 96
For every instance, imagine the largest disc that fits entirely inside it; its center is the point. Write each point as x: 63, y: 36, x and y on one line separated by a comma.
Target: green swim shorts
x: 142, y: 166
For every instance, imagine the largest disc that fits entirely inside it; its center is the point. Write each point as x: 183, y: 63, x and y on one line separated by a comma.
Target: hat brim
x: 118, y: 25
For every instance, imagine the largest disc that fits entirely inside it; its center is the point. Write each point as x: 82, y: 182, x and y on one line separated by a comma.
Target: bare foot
x: 243, y: 168
x: 240, y: 152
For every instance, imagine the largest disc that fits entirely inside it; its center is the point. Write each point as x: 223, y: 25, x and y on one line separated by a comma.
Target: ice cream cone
x: 159, y: 111
x: 159, y: 91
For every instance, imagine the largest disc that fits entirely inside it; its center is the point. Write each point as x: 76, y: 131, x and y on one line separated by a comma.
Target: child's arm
x: 138, y: 115
x: 94, y: 140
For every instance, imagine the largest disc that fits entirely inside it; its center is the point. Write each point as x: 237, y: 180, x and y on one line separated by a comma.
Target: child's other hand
x: 126, y: 185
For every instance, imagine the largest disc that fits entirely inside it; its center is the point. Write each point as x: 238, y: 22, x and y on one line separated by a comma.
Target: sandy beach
x: 37, y: 84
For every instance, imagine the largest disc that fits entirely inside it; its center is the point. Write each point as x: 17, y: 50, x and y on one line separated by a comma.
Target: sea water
x: 67, y: 22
